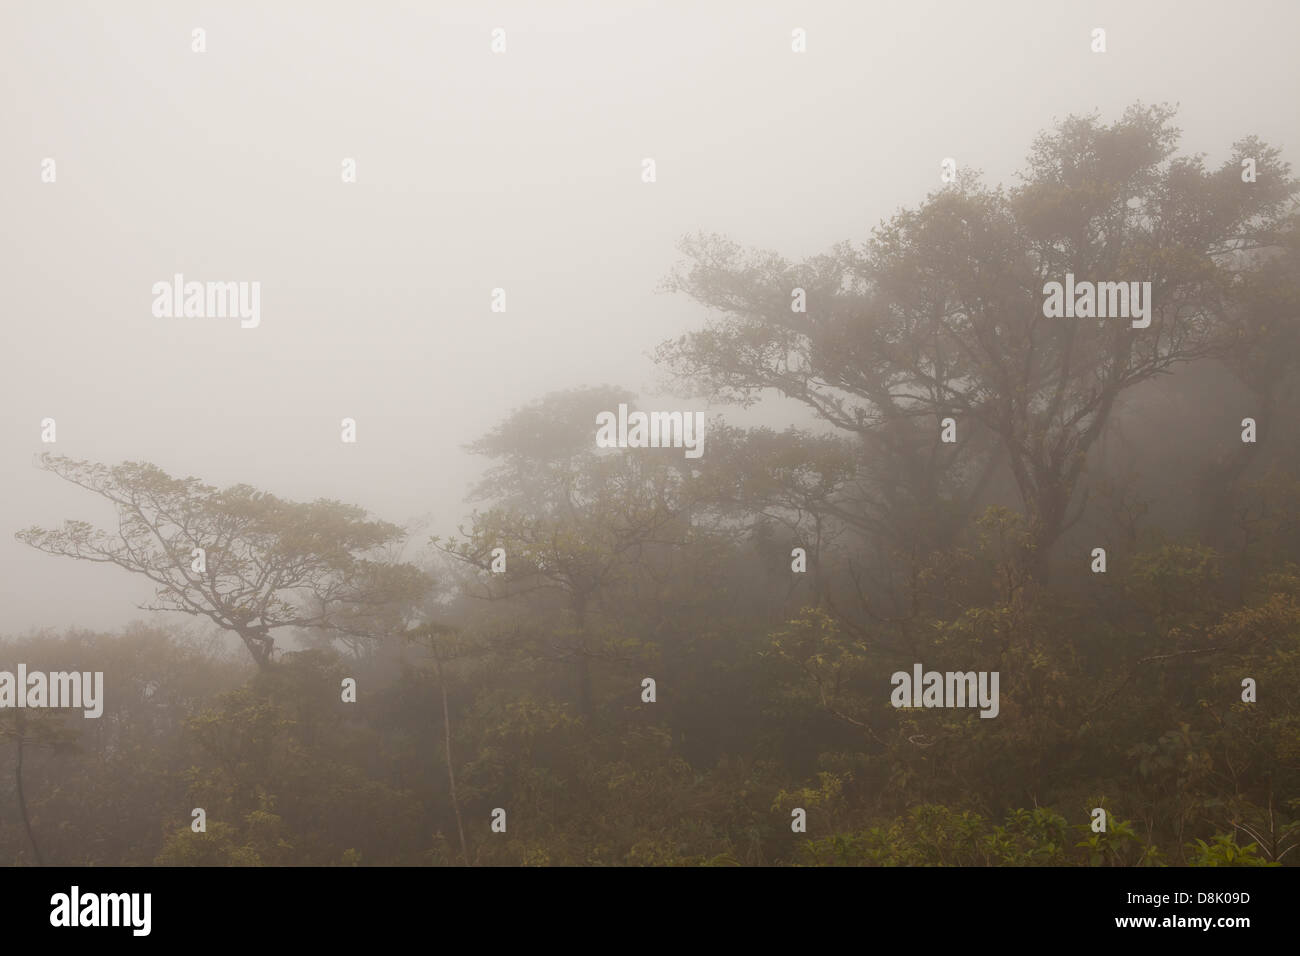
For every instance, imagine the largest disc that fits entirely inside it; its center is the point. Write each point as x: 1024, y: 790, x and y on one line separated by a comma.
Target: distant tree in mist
x: 1263, y: 335
x: 267, y: 563
x: 568, y: 518
x: 940, y: 313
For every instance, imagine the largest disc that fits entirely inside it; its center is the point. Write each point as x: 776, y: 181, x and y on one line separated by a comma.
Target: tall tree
x: 246, y: 560
x: 569, y: 518
x: 940, y: 314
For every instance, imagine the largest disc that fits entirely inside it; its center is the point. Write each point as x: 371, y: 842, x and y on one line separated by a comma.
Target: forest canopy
x: 641, y: 657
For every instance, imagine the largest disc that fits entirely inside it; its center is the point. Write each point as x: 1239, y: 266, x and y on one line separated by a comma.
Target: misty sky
x: 476, y: 171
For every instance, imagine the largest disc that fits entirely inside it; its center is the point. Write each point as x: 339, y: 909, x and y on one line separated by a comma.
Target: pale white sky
x: 475, y: 171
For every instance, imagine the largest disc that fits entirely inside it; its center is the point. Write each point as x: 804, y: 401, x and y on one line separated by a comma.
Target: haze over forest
x: 975, y: 539
x: 476, y: 171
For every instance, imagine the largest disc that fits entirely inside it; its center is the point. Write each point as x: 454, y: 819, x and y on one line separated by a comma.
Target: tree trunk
x: 451, y: 769
x: 1046, y: 524
x: 22, y: 801
x: 1219, y: 480
x: 586, y: 706
x: 1043, y: 532
x: 259, y: 644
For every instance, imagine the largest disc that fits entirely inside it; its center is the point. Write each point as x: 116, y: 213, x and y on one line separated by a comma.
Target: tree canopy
x: 266, y: 563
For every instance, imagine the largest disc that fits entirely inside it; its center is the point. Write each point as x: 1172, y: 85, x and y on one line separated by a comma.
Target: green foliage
x: 1222, y: 850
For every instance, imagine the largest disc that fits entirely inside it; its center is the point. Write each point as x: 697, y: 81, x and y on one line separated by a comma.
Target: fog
x: 477, y: 171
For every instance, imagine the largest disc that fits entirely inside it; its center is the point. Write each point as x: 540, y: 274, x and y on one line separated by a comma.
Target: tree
x: 42, y: 728
x: 266, y: 563
x: 940, y: 314
x: 571, y: 519
x: 443, y: 646
x: 793, y: 479
x: 1263, y: 354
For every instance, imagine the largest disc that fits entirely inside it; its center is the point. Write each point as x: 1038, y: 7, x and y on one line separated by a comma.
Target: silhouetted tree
x: 268, y: 563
